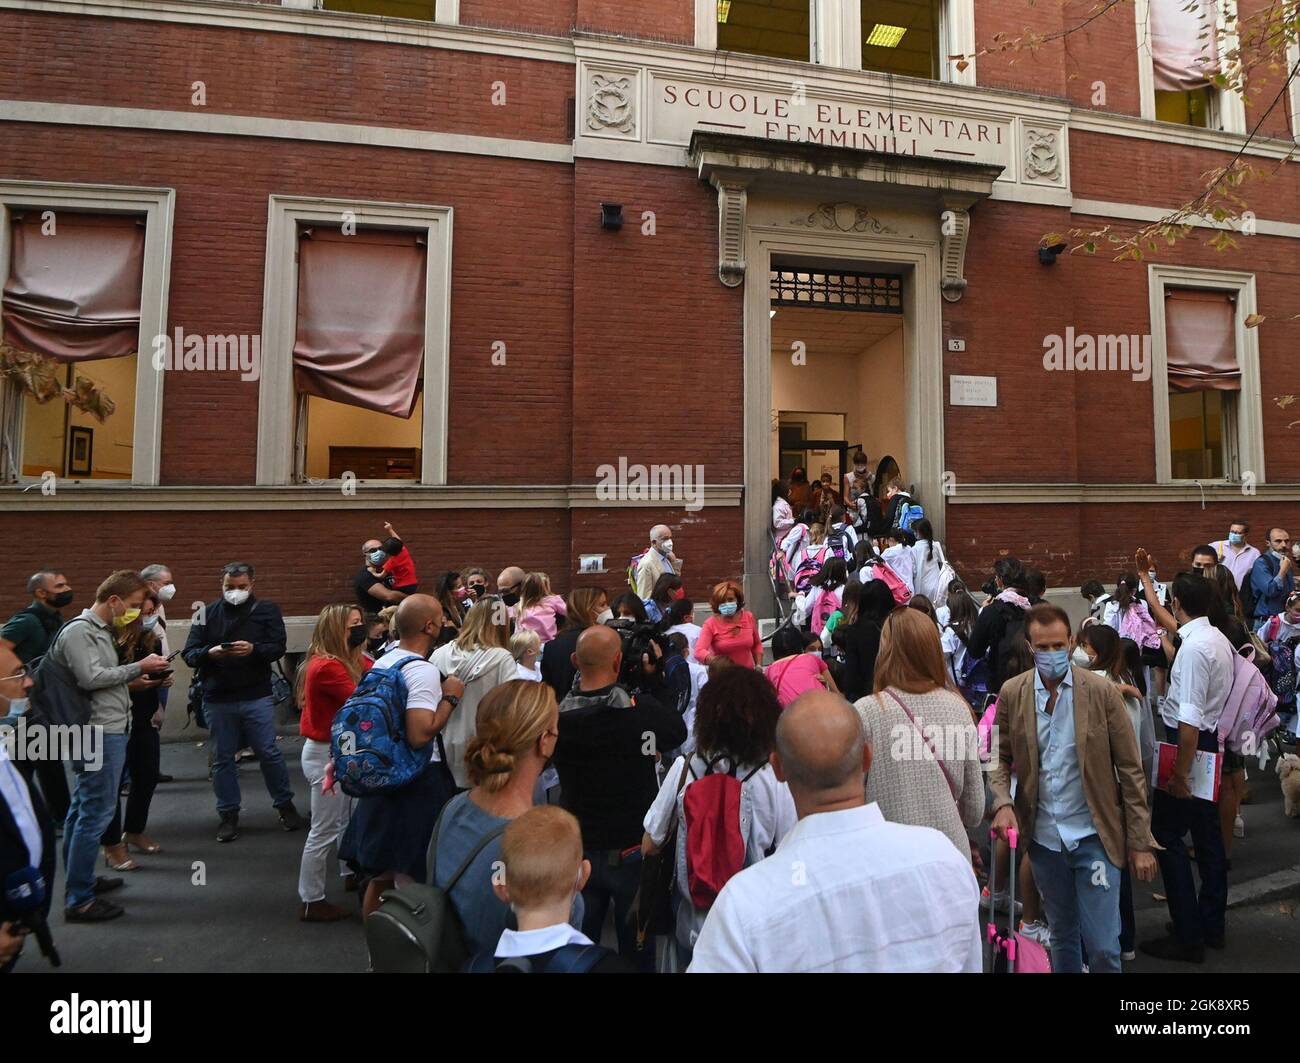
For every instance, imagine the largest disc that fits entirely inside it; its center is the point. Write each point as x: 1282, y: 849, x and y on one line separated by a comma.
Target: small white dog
x: 1288, y: 770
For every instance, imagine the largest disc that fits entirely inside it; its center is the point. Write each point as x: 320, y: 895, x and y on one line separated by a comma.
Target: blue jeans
x: 255, y: 720
x: 94, y: 800
x: 1081, y: 895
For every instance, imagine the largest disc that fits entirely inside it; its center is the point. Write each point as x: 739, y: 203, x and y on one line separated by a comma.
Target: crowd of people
x: 835, y: 809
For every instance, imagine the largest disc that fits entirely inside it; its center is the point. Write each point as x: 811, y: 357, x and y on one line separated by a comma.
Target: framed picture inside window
x: 81, y: 449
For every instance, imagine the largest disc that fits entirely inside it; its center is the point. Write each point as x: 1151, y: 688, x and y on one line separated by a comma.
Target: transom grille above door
x: 873, y: 293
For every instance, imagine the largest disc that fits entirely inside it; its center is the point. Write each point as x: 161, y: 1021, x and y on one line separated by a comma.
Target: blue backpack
x: 368, y: 736
x: 908, y: 514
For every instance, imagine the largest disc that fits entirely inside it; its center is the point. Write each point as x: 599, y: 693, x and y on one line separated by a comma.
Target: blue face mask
x: 728, y: 608
x: 1052, y: 664
x: 1236, y: 538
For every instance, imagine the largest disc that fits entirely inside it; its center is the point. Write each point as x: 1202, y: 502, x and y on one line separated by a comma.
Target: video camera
x: 639, y: 639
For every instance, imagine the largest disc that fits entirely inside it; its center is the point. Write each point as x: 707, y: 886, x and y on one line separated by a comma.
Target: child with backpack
x: 1281, y: 634
x: 815, y: 606
x: 800, y: 666
x: 541, y: 854
x: 722, y: 808
x: 539, y: 606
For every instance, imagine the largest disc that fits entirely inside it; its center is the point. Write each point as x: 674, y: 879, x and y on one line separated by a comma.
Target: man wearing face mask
x: 1199, y: 684
x: 508, y: 585
x: 1068, y: 733
x: 656, y: 561
x: 373, y: 586
x: 235, y: 645
x: 158, y: 578
x: 28, y: 634
x: 87, y: 646
x: 1236, y: 553
x: 1272, y: 578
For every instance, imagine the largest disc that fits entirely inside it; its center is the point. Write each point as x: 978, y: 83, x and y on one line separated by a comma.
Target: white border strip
x: 280, y: 129
x: 273, y: 18
x: 1137, y: 212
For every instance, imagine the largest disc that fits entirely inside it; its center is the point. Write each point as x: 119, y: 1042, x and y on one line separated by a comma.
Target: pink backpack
x: 1250, y: 714
x: 1135, y: 623
x: 823, y: 608
x: 880, y: 570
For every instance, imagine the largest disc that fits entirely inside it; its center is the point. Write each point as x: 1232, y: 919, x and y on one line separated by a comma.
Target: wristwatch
x: 451, y: 699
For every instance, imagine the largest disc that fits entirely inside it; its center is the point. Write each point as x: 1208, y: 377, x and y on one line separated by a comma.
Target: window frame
x: 1246, y: 451
x: 835, y: 32
x: 157, y: 205
x: 445, y: 12
x: 1227, y: 109
x: 278, y: 401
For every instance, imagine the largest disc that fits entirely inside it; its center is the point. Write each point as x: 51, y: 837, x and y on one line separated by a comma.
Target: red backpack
x: 715, y: 849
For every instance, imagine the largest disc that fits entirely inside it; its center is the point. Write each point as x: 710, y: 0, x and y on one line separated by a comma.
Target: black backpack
x: 55, y: 697
x: 415, y: 929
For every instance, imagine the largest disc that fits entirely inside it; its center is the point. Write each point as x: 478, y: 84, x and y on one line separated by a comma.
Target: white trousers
x: 329, y: 818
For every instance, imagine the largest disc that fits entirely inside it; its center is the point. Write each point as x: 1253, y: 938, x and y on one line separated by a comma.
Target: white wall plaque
x: 972, y: 390
x: 591, y: 563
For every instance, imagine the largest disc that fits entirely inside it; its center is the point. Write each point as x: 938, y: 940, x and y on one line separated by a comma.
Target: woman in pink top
x: 732, y: 630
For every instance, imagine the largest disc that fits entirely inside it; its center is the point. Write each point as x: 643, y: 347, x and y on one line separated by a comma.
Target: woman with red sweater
x: 335, y: 661
x: 732, y: 630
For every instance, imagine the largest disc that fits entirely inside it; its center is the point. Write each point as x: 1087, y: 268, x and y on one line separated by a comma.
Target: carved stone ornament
x: 611, y: 105
x: 954, y: 231
x: 844, y: 218
x: 1042, y: 155
x: 732, y: 200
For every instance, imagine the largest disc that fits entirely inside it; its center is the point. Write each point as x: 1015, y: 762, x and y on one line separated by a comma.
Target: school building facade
x: 449, y: 264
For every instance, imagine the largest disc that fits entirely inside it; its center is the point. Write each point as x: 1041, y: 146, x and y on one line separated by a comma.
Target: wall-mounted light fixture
x: 611, y: 215
x: 1047, y: 255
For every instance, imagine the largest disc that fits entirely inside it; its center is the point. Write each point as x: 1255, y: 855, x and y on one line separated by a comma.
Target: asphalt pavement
x: 203, y: 906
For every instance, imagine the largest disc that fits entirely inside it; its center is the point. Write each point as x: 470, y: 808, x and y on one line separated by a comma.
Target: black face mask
x: 60, y: 600
x: 373, y: 645
x: 511, y: 598
x: 476, y: 591
x: 357, y: 636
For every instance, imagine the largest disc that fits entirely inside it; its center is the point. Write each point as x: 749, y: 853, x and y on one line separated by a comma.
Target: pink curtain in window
x: 1201, y: 340
x: 75, y: 294
x: 1184, y: 43
x: 360, y: 338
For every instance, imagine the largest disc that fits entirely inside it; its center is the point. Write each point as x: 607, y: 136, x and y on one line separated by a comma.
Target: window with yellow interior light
x: 902, y: 37
x: 780, y: 29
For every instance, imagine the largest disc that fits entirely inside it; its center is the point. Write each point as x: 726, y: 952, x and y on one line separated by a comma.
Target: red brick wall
x: 1072, y: 543
x: 553, y: 17
x: 129, y: 63
x: 1103, y: 50
x: 662, y: 20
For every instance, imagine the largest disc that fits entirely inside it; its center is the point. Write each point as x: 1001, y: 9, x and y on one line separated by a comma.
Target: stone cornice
x: 244, y: 498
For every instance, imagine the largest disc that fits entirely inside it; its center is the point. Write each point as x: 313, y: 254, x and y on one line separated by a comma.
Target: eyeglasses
x: 22, y: 673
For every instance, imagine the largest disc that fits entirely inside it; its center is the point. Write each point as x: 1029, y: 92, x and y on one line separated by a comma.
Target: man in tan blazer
x: 1081, y: 798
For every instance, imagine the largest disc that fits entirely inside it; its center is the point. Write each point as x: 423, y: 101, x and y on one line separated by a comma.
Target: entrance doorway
x: 838, y: 367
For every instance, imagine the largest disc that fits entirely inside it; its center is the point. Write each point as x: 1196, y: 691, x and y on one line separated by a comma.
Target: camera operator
x: 26, y: 833
x: 610, y: 739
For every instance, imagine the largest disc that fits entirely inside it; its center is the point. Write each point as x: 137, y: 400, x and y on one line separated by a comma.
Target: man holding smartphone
x: 236, y: 643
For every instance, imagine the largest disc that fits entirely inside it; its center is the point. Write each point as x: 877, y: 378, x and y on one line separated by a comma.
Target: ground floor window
x: 70, y: 314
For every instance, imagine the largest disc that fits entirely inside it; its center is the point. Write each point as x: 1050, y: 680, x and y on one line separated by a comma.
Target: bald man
x: 607, y: 755
x: 657, y: 560
x: 508, y: 584
x: 389, y: 833
x: 845, y: 890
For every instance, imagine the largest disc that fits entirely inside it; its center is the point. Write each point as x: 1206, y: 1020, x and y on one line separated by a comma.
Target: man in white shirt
x: 1199, y: 683
x: 845, y: 890
x: 1236, y: 553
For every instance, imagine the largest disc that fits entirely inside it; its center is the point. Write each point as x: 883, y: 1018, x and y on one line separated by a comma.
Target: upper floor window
x: 781, y: 29
x: 912, y: 38
x: 902, y: 37
x: 1184, y: 46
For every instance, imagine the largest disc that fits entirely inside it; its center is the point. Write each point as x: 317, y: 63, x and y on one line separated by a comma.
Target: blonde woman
x: 926, y: 768
x: 479, y: 658
x: 517, y: 727
x: 335, y: 662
